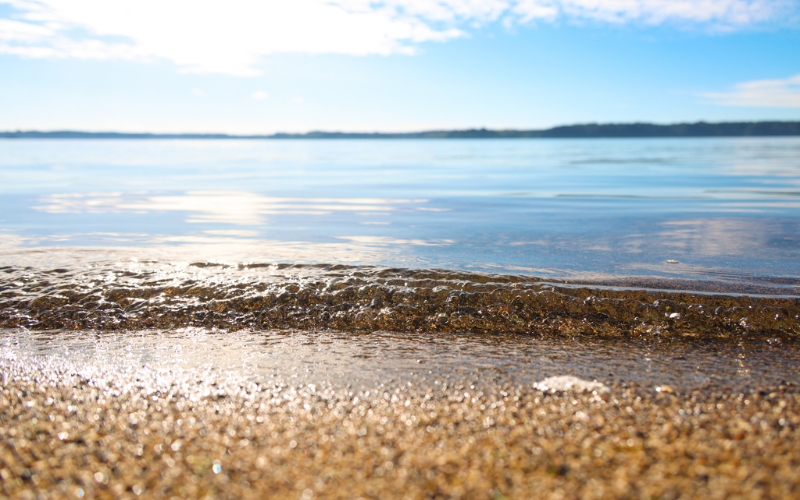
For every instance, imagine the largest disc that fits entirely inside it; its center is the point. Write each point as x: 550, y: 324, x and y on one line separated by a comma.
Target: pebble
x: 62, y: 438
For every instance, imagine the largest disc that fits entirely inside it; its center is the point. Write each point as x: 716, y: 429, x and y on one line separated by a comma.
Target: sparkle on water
x: 423, y: 248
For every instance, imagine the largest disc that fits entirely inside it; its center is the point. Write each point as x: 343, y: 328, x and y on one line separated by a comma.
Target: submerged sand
x: 66, y: 437
x: 167, y: 382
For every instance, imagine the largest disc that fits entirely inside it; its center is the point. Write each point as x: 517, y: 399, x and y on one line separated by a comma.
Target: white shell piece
x: 563, y: 383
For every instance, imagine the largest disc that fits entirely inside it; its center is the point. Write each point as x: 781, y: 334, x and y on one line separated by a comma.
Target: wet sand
x: 64, y: 435
x: 212, y: 381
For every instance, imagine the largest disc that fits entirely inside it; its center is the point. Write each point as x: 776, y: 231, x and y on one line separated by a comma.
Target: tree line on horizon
x: 586, y: 131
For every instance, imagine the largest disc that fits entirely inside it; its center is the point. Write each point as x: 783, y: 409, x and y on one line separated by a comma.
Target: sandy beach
x: 63, y: 436
x: 160, y: 387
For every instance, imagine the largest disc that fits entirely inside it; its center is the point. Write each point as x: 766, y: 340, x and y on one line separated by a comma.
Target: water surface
x: 654, y: 261
x: 716, y: 210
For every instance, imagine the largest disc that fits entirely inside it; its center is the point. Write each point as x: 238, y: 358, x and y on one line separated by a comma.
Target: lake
x: 413, y: 243
x: 719, y: 211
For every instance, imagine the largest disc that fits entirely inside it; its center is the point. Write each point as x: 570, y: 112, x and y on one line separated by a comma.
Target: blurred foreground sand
x: 65, y: 438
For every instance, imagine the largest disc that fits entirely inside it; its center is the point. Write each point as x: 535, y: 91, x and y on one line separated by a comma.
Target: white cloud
x: 23, y: 32
x: 216, y: 37
x: 232, y: 37
x: 719, y: 13
x: 260, y: 95
x: 783, y: 93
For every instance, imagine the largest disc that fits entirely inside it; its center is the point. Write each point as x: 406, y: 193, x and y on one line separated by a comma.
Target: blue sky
x: 262, y: 66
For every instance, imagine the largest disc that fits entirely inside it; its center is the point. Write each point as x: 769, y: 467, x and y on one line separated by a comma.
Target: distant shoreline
x: 580, y: 131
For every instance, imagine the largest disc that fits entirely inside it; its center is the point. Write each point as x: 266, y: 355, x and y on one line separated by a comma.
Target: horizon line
x: 644, y: 129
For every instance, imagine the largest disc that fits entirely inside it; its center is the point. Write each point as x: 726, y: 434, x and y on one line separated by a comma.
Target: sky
x: 265, y: 66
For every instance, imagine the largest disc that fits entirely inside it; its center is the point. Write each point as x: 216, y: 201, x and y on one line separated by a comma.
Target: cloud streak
x: 725, y: 14
x: 780, y: 93
x: 234, y: 36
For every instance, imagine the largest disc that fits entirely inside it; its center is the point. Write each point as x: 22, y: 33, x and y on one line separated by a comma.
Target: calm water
x: 366, y: 261
x: 727, y: 210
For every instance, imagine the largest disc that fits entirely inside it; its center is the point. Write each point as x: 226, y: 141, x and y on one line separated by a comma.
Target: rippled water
x: 207, y: 361
x: 718, y: 210
x: 600, y: 249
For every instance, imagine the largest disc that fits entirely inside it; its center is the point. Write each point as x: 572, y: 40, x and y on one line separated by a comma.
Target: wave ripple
x: 145, y: 295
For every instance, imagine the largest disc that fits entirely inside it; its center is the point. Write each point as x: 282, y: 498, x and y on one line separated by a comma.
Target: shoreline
x: 638, y: 130
x: 388, y: 383
x: 379, y: 298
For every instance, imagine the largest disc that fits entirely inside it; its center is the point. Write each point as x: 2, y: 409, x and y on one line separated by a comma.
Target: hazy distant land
x: 590, y: 130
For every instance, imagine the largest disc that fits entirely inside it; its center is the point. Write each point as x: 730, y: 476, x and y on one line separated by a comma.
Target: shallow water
x: 199, y: 362
x: 666, y: 261
x: 717, y: 210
